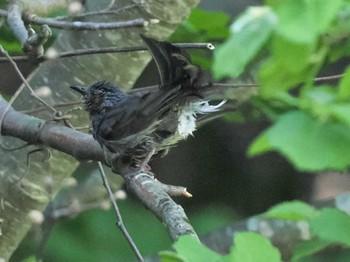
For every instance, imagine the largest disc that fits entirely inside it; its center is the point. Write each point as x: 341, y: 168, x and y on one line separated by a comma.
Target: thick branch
x: 152, y: 195
x: 14, y: 20
x: 37, y: 131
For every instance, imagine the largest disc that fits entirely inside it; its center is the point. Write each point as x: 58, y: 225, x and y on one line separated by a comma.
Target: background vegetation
x: 267, y: 152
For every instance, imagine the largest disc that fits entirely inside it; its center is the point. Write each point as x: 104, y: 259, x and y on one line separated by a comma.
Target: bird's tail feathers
x: 173, y: 63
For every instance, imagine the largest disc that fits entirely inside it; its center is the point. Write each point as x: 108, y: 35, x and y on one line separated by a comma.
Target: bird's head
x: 100, y: 96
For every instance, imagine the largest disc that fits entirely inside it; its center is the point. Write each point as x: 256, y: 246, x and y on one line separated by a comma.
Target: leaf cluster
x: 294, y: 41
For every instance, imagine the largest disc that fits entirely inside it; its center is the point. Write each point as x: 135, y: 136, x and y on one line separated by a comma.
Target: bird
x: 132, y: 127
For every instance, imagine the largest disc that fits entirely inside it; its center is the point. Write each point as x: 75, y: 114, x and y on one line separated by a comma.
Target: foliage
x: 329, y: 227
x: 202, y: 26
x: 293, y: 210
x: 312, y: 127
x: 256, y: 23
x: 248, y: 247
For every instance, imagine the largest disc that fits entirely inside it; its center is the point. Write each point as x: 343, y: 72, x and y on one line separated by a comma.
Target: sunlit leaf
x: 293, y: 210
x: 249, y: 246
x: 333, y: 225
x: 249, y: 33
x: 307, y: 142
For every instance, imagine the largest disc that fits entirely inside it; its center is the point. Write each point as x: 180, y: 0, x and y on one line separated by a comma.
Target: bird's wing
x: 138, y: 113
x: 173, y: 63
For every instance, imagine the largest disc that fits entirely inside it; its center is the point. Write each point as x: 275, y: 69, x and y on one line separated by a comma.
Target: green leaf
x: 341, y: 112
x: 202, y: 26
x: 30, y: 259
x: 299, y: 20
x: 249, y: 33
x: 204, y: 61
x: 294, y: 57
x: 308, y: 248
x: 293, y: 210
x: 169, y: 256
x: 213, y: 23
x: 320, y: 95
x: 192, y: 250
x: 307, y: 142
x: 332, y: 225
x: 344, y: 86
x: 260, y: 145
x: 319, y: 101
x: 273, y: 3
x: 273, y: 79
x: 252, y: 247
x: 212, y: 217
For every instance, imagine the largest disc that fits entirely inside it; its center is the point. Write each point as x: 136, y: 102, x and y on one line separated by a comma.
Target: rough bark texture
x: 44, y: 178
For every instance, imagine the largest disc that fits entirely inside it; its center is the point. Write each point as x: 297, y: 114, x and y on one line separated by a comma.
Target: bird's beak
x: 80, y: 89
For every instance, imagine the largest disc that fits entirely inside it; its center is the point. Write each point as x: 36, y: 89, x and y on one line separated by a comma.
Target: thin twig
x: 230, y: 85
x: 327, y: 78
x: 143, y: 89
x: 13, y: 98
x: 73, y: 209
x: 118, y: 215
x: 40, y: 109
x: 2, y: 50
x: 113, y: 49
x: 105, y: 50
x: 78, y: 25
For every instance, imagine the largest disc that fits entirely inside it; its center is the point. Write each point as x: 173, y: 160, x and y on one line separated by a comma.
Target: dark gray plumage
x: 132, y: 126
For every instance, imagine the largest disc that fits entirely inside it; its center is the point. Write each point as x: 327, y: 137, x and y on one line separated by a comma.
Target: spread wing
x: 173, y: 63
x: 140, y: 114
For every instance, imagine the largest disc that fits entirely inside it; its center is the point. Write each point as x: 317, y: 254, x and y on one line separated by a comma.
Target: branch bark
x: 36, y: 131
x: 14, y: 18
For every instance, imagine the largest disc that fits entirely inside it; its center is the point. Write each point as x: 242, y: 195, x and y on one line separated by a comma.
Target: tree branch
x: 14, y: 17
x: 152, y: 195
x: 79, y: 25
x: 37, y: 131
x: 106, y: 50
x: 15, y: 22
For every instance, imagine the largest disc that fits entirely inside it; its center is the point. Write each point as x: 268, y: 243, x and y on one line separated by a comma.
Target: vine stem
x: 120, y: 222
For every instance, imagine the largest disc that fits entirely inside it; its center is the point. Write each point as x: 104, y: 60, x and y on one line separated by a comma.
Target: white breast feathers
x: 187, y: 117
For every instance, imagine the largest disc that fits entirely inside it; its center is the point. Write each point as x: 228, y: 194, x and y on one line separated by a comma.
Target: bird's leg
x: 144, y: 167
